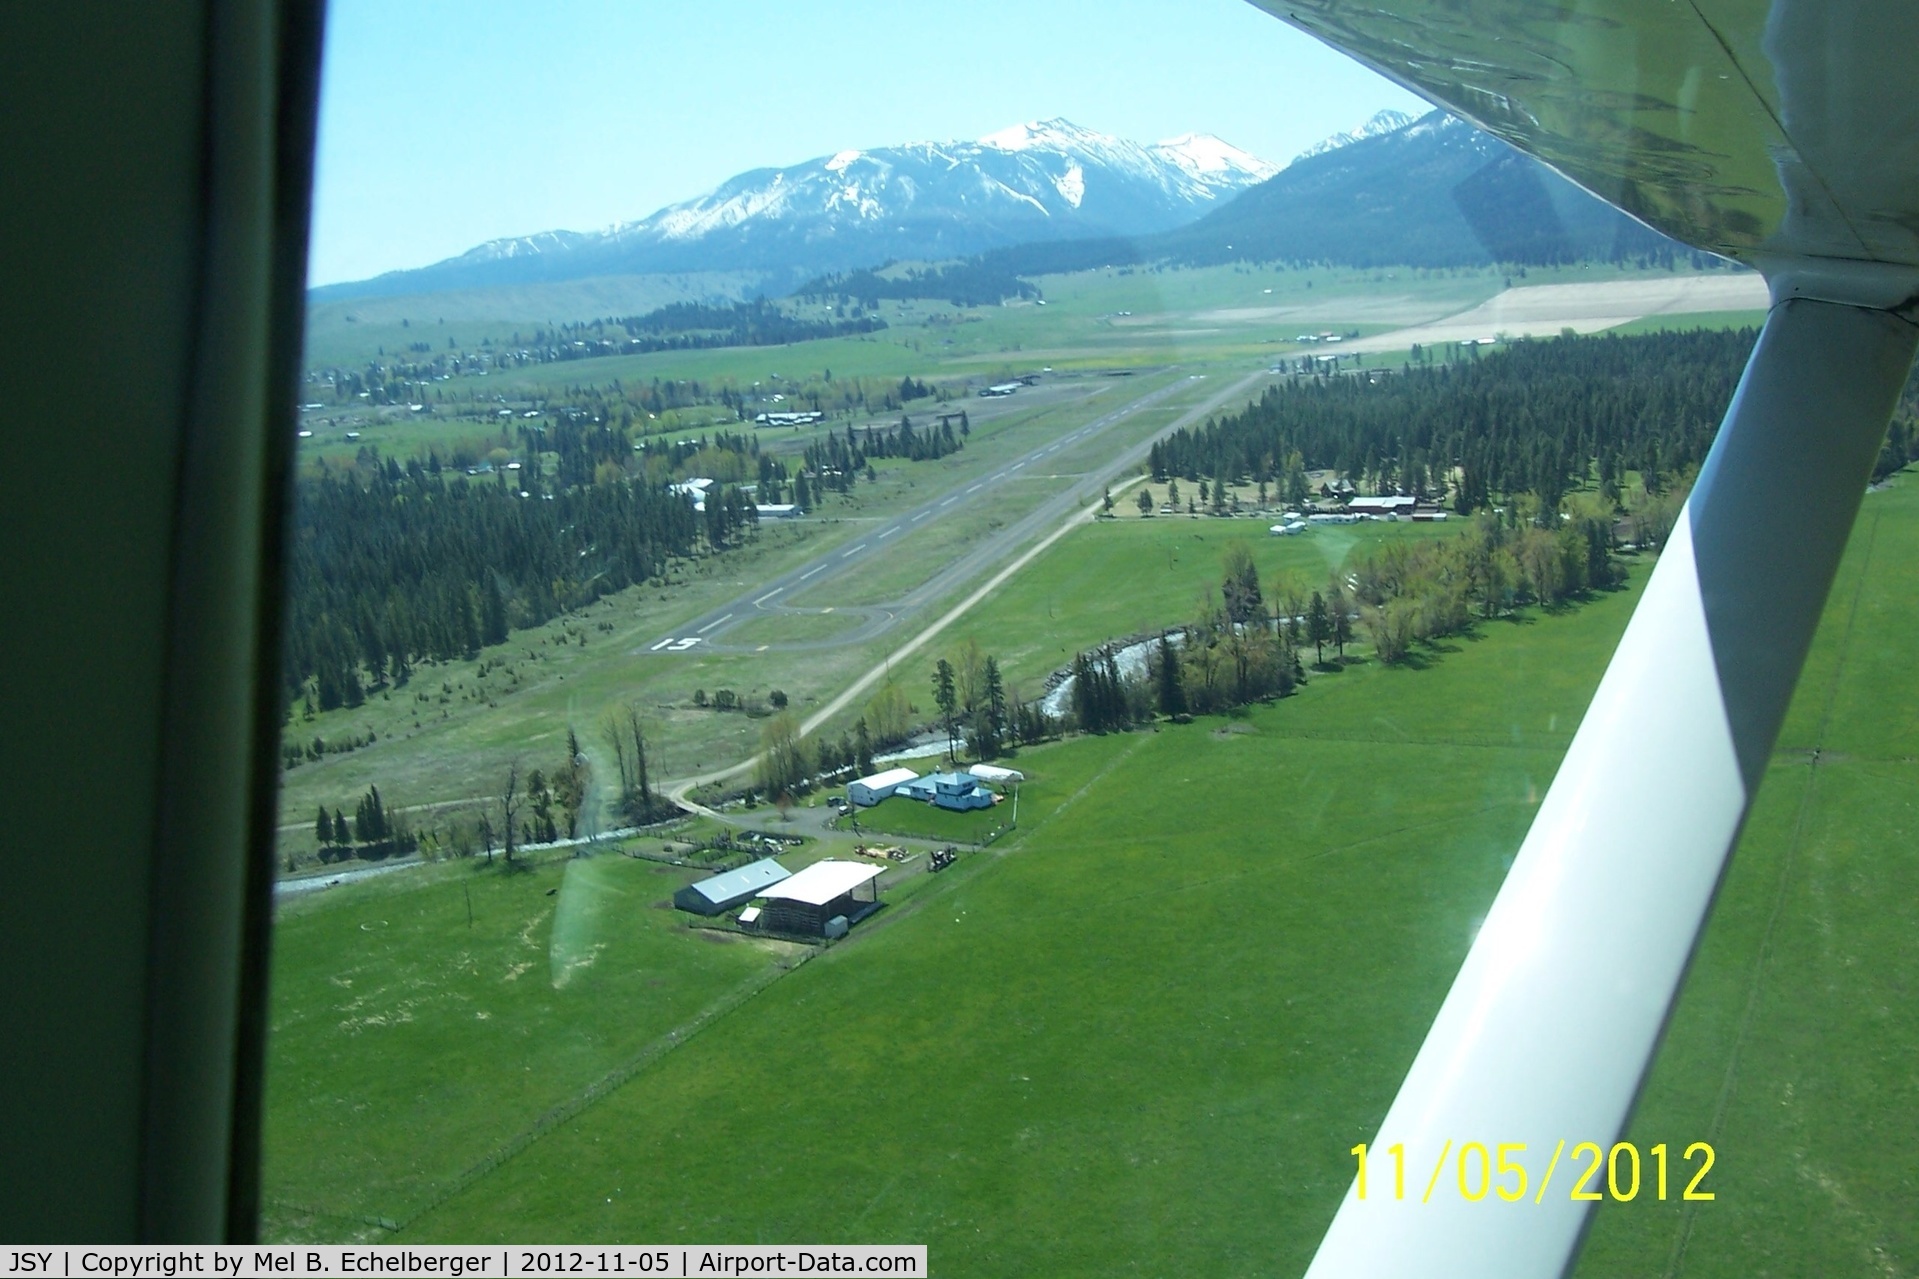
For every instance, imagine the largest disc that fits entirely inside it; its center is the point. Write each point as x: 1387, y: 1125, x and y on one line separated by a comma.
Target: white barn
x: 868, y: 791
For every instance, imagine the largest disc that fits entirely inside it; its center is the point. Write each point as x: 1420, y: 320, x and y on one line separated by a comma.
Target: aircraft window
x: 979, y: 691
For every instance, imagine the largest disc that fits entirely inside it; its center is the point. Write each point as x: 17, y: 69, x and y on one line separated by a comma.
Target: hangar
x: 723, y: 892
x: 823, y: 900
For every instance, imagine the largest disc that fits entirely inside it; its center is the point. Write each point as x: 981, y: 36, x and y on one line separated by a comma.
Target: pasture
x: 1133, y: 576
x: 1111, y: 1020
x: 1145, y: 1030
x: 902, y: 816
x: 1792, y: 1047
x: 421, y: 1018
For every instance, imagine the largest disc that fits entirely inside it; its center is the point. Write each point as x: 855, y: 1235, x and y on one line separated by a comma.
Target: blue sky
x: 445, y: 124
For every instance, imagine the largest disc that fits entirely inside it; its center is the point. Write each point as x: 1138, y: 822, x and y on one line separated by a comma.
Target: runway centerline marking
x: 888, y: 533
x: 809, y: 572
x: 855, y: 551
x: 710, y: 625
x: 769, y: 595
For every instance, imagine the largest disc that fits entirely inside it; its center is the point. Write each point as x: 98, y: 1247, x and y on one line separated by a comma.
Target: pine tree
x: 1319, y: 626
x: 945, y: 696
x: 323, y: 828
x: 862, y: 747
x: 493, y: 615
x: 1172, y: 697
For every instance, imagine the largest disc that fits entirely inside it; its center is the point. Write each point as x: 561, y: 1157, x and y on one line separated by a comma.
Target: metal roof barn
x: 711, y: 896
x: 868, y: 791
x: 824, y: 891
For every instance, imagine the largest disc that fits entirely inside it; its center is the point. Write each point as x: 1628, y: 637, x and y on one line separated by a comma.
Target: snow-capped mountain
x: 1428, y: 192
x: 1383, y: 122
x: 1044, y: 180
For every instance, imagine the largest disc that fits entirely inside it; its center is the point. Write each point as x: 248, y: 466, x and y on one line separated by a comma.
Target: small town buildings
x: 723, y: 892
x: 868, y: 791
x: 823, y: 900
x: 957, y: 791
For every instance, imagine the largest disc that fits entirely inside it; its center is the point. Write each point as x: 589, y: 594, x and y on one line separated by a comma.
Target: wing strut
x: 1551, y: 1025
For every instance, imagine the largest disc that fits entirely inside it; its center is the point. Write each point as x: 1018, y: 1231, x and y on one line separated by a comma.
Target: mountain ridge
x: 1045, y: 179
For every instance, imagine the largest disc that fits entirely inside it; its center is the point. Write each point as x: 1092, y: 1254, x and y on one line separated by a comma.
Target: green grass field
x: 408, y: 1042
x: 900, y: 816
x: 1004, y: 996
x: 1143, y: 1032
x: 1134, y: 576
x: 1147, y: 1028
x: 1793, y: 1046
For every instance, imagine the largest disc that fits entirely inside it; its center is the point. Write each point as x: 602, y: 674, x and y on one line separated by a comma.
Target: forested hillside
x: 695, y: 325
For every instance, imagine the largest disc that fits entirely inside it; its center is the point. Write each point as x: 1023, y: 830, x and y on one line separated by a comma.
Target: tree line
x: 972, y: 282
x: 834, y: 460
x: 372, y: 833
x: 695, y: 325
x: 391, y: 565
x: 1537, y: 416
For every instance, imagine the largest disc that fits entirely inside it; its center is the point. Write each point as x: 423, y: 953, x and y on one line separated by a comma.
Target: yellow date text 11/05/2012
x: 1500, y: 1172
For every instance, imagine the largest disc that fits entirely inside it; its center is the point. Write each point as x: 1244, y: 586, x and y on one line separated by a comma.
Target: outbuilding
x: 1385, y: 507
x: 995, y: 774
x: 823, y: 900
x: 868, y: 791
x: 723, y: 892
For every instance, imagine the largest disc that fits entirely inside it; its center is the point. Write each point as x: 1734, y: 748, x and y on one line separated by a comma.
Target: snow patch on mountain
x: 1203, y: 155
x: 1072, y: 184
x: 1382, y: 122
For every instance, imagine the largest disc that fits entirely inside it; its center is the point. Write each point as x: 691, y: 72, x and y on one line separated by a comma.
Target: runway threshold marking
x: 710, y: 625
